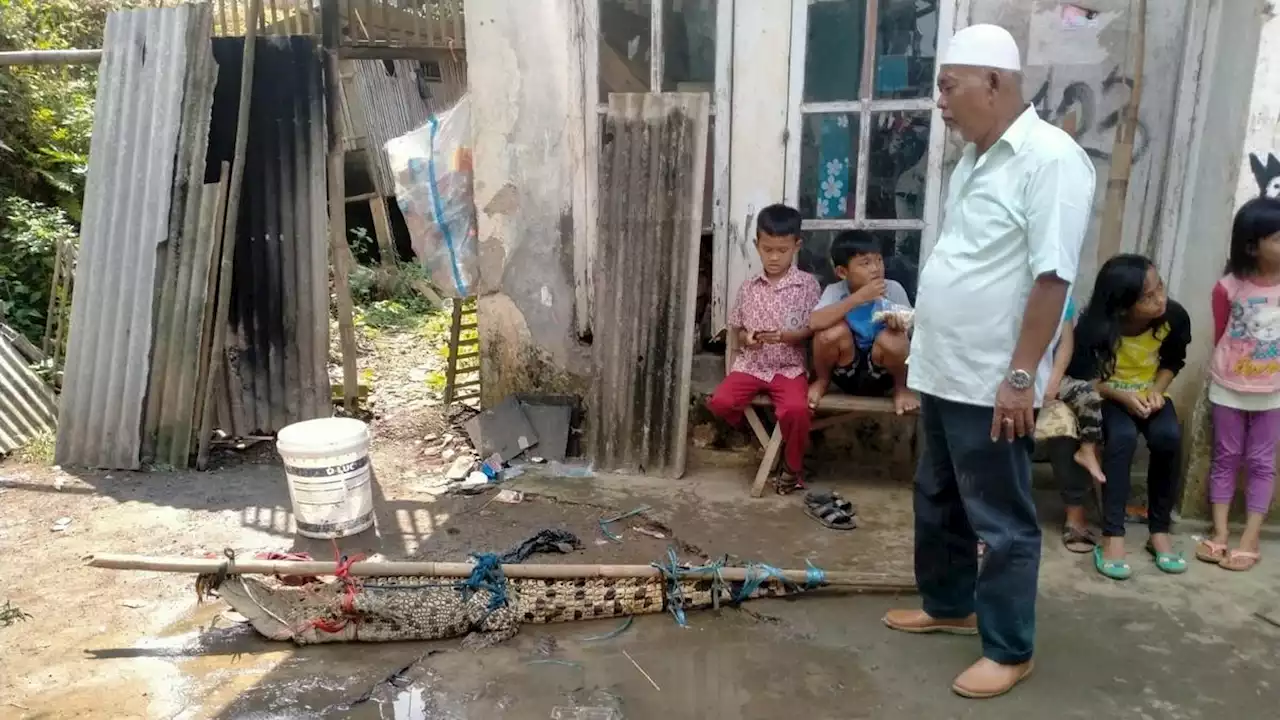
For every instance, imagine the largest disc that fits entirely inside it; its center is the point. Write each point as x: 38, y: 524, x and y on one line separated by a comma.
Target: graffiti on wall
x: 1090, y: 114
x: 1267, y: 174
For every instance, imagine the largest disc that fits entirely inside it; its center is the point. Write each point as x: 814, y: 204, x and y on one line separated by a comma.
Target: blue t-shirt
x: 860, y: 319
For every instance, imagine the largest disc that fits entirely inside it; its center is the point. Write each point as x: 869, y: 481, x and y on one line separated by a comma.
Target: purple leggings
x: 1242, y: 435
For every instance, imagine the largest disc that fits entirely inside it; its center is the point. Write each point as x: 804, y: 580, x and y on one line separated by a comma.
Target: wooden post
x: 50, y: 57
x: 1111, y: 234
x: 390, y: 262
x: 230, y: 225
x: 331, y: 35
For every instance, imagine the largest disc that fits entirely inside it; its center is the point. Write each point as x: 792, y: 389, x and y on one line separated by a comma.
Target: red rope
x: 350, y: 591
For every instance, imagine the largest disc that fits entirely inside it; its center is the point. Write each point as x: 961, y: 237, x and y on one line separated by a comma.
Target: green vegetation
x: 46, y: 115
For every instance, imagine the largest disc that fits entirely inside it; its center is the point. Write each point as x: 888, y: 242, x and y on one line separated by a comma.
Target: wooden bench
x: 837, y: 408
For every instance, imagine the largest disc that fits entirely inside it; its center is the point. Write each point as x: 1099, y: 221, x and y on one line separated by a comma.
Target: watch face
x: 1020, y: 379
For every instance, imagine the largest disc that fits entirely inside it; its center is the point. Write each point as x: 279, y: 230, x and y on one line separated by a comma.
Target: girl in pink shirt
x: 1244, y: 388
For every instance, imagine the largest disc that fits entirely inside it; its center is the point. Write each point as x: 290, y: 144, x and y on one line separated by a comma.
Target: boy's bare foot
x: 817, y: 389
x: 1087, y: 457
x: 905, y: 401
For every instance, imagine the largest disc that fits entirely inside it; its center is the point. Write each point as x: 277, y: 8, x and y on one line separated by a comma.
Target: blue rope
x: 813, y: 576
x: 487, y: 575
x: 606, y: 521
x: 437, y: 205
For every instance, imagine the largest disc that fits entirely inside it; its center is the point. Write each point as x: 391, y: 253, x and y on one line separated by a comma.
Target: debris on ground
x: 605, y: 522
x: 703, y: 435
x: 503, y: 429
x: 9, y: 614
x: 511, y: 497
x: 61, y: 524
x: 1271, y: 617
x: 461, y: 468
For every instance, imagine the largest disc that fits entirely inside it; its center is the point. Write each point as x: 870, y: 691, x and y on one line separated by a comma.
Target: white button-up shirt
x: 1018, y: 212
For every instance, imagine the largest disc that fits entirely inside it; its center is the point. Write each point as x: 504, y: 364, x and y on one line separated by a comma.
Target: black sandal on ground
x: 826, y: 508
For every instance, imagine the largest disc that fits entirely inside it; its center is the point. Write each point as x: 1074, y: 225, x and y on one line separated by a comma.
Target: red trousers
x: 790, y: 398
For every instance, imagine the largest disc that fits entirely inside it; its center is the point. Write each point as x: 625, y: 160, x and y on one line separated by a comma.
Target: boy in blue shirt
x: 860, y: 339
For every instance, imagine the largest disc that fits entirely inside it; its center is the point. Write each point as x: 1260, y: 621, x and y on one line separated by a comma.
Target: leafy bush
x: 29, y: 237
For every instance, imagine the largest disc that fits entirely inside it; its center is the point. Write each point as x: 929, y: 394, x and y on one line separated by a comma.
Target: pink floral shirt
x: 764, y: 306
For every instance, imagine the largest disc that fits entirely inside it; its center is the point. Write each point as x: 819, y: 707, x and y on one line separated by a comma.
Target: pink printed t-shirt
x: 765, y: 306
x: 1246, y: 357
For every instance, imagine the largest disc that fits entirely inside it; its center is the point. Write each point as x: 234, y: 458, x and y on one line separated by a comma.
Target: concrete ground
x: 137, y: 645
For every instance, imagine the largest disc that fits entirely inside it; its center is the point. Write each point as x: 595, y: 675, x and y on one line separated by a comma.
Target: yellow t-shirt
x: 1138, y: 360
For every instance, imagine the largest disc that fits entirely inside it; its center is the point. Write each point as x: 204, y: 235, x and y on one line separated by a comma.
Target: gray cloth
x: 835, y: 292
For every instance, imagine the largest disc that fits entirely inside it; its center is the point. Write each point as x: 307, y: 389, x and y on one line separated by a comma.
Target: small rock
x: 449, y: 454
x: 511, y: 497
x: 431, y: 452
x: 460, y: 468
x: 59, y: 483
x: 61, y: 524
x: 431, y: 438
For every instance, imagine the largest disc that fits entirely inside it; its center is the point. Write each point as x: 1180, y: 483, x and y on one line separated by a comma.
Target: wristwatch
x: 1020, y: 379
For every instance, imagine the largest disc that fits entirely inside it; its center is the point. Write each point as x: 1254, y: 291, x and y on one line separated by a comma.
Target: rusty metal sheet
x: 28, y: 407
x: 152, y: 60
x: 386, y: 99
x: 275, y: 369
x: 646, y: 270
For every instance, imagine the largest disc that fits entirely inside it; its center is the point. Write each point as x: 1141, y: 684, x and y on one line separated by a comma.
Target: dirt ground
x: 107, y: 644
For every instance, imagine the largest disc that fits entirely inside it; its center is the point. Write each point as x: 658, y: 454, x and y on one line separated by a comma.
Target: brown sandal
x: 1211, y: 552
x: 1240, y: 560
x: 1078, y: 540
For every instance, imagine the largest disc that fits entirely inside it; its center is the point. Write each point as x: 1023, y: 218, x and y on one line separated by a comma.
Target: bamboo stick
x: 339, y: 250
x: 50, y: 57
x: 1111, y: 232
x: 203, y: 566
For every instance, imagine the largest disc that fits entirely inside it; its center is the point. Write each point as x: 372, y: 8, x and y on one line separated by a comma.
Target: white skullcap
x: 988, y: 46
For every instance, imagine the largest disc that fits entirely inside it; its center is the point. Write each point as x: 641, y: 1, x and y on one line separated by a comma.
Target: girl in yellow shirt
x: 1131, y: 341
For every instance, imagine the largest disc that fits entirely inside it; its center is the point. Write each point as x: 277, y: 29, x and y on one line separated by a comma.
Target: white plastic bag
x: 433, y: 172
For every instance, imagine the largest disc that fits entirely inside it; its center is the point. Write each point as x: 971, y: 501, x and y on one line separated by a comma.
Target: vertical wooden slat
x: 459, y: 31
x: 224, y: 29
x: 415, y: 6
x: 236, y: 27
x: 720, y: 177
x: 656, y: 58
x: 866, y: 119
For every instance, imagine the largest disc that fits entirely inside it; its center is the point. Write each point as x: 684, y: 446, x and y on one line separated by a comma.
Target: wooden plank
x: 772, y: 452
x: 1110, y: 233
x: 583, y: 141
x: 657, y: 43
x: 222, y: 316
x: 795, y: 100
x: 720, y: 174
x: 389, y: 260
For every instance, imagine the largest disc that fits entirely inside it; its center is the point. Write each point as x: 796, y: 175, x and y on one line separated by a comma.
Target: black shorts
x: 863, y: 377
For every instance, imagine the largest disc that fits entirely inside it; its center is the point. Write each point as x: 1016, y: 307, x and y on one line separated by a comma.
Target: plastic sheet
x: 433, y: 175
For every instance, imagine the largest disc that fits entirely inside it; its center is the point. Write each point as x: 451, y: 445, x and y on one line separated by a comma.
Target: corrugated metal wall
x: 151, y: 60
x: 278, y: 339
x: 28, y: 407
x: 646, y: 279
x: 386, y: 99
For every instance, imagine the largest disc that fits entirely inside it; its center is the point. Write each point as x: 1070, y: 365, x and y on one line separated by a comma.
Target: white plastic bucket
x: 326, y: 462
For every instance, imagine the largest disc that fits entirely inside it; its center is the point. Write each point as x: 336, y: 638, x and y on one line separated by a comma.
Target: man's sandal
x: 1113, y: 569
x: 1171, y: 563
x: 833, y: 511
x: 1240, y: 560
x: 1211, y: 552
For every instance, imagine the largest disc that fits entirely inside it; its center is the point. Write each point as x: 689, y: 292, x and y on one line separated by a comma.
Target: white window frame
x: 587, y: 177
x: 864, y: 106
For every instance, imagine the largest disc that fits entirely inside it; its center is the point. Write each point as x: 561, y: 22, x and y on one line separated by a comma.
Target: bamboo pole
x: 205, y: 566
x: 1111, y: 233
x: 338, y: 248
x: 50, y: 57
x: 231, y: 225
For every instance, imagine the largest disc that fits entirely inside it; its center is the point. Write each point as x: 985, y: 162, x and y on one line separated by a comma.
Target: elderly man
x: 990, y: 301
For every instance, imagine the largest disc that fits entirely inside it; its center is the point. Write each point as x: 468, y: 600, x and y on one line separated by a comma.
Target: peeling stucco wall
x: 522, y: 120
x: 1077, y: 72
x: 1244, y: 96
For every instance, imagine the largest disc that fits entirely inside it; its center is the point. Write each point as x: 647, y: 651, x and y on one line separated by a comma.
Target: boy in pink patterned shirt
x: 771, y: 318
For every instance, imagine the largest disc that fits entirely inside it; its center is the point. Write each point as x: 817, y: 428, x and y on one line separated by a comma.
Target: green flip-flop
x: 1113, y: 569
x: 1171, y: 563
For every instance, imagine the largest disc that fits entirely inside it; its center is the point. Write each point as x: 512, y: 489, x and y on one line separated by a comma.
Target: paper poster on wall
x: 1068, y: 34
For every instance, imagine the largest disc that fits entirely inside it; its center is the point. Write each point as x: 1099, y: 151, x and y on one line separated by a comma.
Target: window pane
x: 833, y: 52
x: 624, y: 46
x: 689, y: 52
x: 901, y: 256
x: 906, y: 47
x: 898, y: 165
x: 828, y: 165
